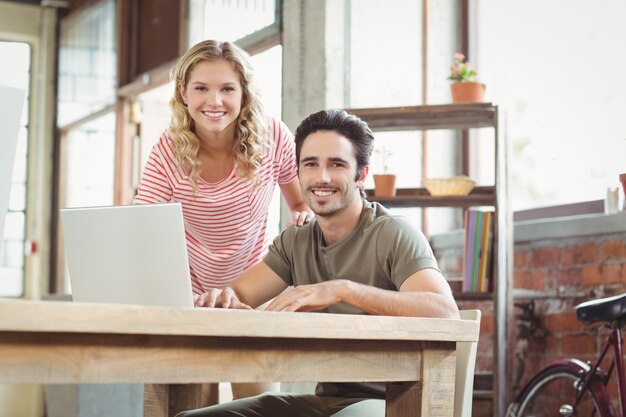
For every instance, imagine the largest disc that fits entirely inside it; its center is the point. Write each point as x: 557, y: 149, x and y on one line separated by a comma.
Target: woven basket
x: 454, y: 186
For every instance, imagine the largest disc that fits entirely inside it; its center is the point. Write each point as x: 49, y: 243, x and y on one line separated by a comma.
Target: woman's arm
x: 300, y: 212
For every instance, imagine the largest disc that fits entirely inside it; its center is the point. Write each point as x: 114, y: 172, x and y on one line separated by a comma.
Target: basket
x: 454, y: 186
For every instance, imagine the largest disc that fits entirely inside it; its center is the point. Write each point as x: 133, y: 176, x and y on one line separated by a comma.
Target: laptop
x: 134, y: 254
x: 11, y: 104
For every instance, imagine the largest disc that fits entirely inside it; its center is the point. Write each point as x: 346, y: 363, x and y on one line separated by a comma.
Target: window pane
x: 228, y: 20
x: 87, y: 62
x: 563, y: 93
x: 11, y: 281
x: 401, y: 153
x: 12, y: 254
x: 12, y: 246
x: 14, y: 225
x: 155, y: 118
x: 89, y: 152
x: 268, y: 68
x: 444, y: 40
x: 17, y: 199
x: 385, y: 62
x: 20, y: 163
x: 18, y: 73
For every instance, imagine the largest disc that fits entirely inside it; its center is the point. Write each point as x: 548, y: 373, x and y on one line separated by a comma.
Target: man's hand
x: 298, y: 218
x: 220, y: 298
x: 311, y: 297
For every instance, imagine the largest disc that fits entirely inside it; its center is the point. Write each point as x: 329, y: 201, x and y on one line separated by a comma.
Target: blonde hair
x: 251, y: 129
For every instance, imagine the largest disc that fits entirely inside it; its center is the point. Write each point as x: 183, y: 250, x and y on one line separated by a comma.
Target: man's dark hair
x: 347, y: 125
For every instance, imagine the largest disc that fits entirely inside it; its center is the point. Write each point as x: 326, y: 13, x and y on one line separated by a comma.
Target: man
x: 355, y: 257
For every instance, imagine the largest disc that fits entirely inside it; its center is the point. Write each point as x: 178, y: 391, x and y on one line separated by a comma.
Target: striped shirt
x: 226, y: 221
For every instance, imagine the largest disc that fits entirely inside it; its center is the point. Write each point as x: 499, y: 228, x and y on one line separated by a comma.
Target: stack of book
x: 477, y: 261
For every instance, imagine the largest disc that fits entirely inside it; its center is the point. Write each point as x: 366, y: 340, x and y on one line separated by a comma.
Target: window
x: 388, y: 71
x: 268, y: 72
x: 12, y: 252
x: 87, y: 174
x: 561, y: 86
x: 87, y: 62
x: 88, y: 161
x: 385, y: 63
x: 229, y: 20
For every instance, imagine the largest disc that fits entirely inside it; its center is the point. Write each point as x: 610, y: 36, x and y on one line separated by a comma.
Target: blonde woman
x: 221, y: 158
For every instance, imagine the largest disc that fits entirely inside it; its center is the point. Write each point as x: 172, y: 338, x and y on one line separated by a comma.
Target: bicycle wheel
x: 552, y: 393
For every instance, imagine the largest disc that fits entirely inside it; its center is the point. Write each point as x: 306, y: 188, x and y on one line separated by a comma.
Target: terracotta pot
x: 468, y: 92
x: 384, y: 185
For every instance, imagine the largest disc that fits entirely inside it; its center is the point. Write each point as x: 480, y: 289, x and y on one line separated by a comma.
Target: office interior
x: 96, y: 76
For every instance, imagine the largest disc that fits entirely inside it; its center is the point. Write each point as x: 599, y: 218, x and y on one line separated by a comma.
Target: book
x: 477, y: 249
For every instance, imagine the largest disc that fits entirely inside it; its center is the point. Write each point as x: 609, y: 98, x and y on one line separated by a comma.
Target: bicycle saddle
x: 604, y: 309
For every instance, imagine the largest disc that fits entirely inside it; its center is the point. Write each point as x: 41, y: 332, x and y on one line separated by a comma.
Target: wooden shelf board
x: 483, y: 395
x: 419, y: 197
x: 473, y: 296
x: 443, y: 116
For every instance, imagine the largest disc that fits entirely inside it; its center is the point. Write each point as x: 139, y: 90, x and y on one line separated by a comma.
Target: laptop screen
x: 133, y: 254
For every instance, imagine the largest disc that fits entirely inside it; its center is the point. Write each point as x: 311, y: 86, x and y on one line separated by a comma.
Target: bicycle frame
x: 613, y: 340
x: 595, y: 379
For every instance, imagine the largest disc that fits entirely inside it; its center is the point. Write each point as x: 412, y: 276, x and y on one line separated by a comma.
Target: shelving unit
x: 465, y: 116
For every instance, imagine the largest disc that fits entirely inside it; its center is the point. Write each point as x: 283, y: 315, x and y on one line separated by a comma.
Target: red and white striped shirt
x: 225, y: 222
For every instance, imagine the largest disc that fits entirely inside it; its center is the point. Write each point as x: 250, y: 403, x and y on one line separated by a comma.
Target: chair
x: 464, y: 382
x: 465, y: 363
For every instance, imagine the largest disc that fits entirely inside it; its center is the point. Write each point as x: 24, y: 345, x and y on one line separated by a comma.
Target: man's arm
x: 256, y: 286
x: 424, y: 294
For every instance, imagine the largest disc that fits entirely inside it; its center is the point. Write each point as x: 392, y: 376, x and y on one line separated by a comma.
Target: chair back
x: 465, y: 363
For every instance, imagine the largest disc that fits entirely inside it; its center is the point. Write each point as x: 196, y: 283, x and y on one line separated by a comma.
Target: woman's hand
x: 300, y: 212
x: 298, y: 218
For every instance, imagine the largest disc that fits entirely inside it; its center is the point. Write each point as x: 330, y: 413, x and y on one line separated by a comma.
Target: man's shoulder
x: 299, y: 234
x: 383, y: 218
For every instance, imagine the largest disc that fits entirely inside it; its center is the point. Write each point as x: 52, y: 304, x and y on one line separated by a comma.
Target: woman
x: 221, y: 159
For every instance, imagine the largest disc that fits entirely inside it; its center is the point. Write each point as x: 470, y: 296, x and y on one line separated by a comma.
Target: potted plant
x: 385, y: 183
x: 464, y: 88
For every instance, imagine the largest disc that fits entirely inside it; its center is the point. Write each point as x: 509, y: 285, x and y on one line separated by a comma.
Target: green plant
x: 461, y: 71
x: 384, y: 154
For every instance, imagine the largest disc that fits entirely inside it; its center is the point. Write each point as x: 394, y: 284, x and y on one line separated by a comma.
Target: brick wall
x: 559, y: 273
x: 572, y: 271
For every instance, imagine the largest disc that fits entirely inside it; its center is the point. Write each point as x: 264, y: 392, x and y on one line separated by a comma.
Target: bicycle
x: 571, y: 387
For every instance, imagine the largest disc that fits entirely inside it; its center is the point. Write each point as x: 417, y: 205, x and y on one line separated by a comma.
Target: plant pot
x: 468, y: 92
x: 384, y: 185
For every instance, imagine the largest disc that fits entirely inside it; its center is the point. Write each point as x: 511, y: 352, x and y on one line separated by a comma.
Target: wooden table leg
x: 166, y: 400
x: 404, y: 399
x: 433, y: 394
x: 155, y: 400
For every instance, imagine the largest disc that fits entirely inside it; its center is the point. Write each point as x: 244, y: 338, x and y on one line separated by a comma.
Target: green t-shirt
x: 383, y: 251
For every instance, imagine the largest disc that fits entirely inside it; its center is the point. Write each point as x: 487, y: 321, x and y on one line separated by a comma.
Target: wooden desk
x: 58, y: 342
